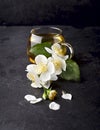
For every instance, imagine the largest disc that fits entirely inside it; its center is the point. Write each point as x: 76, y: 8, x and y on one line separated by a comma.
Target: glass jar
x: 43, y: 34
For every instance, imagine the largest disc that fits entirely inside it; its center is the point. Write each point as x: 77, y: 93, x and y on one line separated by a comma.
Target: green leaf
x: 72, y: 71
x: 40, y: 49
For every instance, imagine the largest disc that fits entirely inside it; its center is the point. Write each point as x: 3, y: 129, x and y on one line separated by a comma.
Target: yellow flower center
x: 42, y: 68
x: 57, y: 64
x: 60, y: 51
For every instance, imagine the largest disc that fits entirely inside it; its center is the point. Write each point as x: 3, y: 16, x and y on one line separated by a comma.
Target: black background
x: 78, y: 13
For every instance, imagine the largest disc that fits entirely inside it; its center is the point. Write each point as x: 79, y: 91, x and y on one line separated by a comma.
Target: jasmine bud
x: 52, y: 94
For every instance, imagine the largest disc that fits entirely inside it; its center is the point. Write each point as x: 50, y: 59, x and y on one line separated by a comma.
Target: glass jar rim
x: 58, y: 30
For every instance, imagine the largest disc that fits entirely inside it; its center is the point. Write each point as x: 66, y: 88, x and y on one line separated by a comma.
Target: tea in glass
x: 43, y: 34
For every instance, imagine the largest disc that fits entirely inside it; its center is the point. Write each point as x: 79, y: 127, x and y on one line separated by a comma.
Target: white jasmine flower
x: 32, y: 99
x: 54, y: 106
x: 58, y: 50
x: 59, y: 64
x: 67, y: 96
x: 34, y: 77
x: 45, y: 68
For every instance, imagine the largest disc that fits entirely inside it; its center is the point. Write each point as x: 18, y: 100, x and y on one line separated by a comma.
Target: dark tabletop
x: 81, y: 113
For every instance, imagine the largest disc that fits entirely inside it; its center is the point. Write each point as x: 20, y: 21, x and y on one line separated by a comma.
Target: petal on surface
x: 29, y: 97
x: 67, y: 96
x: 36, y: 100
x: 54, y: 106
x: 41, y: 59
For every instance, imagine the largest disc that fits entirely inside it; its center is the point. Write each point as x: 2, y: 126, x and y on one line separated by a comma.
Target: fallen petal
x: 54, y: 106
x: 67, y: 96
x: 36, y: 100
x: 29, y: 97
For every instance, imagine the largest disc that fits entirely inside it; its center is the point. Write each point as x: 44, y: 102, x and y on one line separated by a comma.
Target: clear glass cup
x: 40, y: 35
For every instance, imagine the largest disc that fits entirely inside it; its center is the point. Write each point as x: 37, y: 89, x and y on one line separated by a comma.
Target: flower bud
x: 52, y: 94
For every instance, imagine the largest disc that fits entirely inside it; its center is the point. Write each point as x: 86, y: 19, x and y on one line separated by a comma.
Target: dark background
x: 78, y: 13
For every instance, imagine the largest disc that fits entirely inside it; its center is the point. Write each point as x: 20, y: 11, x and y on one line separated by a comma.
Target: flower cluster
x: 46, y: 69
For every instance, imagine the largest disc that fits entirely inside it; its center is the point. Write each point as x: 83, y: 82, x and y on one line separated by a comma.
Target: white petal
x: 55, y: 56
x: 28, y: 76
x: 65, y: 57
x: 45, y: 77
x: 36, y: 85
x: 54, y: 77
x: 56, y: 45
x: 31, y: 76
x: 31, y: 68
x: 67, y: 96
x: 48, y: 50
x: 58, y: 71
x: 50, y: 59
x: 51, y: 68
x: 41, y: 59
x: 32, y: 99
x: 29, y: 97
x: 63, y: 65
x: 54, y: 106
x: 36, y: 100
